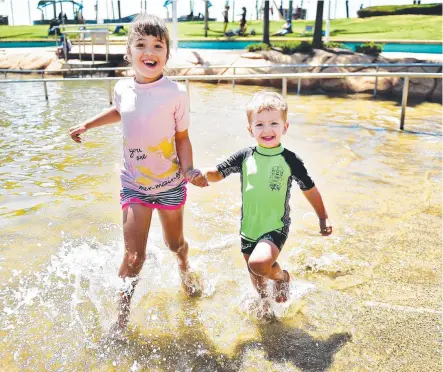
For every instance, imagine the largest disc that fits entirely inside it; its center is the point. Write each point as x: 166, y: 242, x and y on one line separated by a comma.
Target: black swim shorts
x: 277, y: 237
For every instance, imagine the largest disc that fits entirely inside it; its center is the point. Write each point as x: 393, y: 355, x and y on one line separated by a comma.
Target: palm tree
x: 266, y: 23
x: 317, y: 41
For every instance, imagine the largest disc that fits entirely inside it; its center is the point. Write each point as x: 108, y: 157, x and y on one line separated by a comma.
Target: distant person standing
x: 243, y: 22
x: 225, y: 14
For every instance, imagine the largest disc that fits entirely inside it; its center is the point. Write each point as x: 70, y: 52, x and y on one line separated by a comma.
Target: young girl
x: 157, y: 153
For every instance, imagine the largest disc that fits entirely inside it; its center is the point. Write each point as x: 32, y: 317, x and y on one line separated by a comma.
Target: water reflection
x: 362, y: 299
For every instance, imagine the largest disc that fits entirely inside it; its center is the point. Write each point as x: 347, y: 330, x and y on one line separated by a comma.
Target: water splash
x: 266, y: 309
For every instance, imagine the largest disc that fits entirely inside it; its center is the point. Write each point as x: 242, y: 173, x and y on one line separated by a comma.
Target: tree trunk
x: 317, y: 41
x: 119, y: 10
x: 266, y: 23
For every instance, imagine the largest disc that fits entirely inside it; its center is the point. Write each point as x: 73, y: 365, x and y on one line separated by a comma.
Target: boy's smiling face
x: 267, y: 127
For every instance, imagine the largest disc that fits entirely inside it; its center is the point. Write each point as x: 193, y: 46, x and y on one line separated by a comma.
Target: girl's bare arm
x: 108, y: 116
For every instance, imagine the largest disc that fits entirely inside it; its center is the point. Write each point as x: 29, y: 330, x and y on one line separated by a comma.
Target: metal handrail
x: 284, y: 77
x: 93, y: 25
x: 98, y: 69
x: 302, y: 75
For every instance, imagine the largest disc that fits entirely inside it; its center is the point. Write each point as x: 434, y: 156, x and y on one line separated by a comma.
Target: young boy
x: 267, y: 171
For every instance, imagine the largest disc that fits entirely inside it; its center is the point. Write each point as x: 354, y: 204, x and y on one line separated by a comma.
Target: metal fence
x: 284, y: 78
x: 298, y: 67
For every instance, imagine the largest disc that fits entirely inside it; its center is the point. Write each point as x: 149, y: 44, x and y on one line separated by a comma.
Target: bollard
x: 46, y: 90
x: 233, y: 80
x: 110, y: 92
x: 299, y: 83
x: 375, y: 85
x: 65, y: 48
x: 284, y: 86
x: 404, y: 102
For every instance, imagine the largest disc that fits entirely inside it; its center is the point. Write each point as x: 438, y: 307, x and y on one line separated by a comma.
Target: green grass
x: 401, y: 27
x: 384, y: 10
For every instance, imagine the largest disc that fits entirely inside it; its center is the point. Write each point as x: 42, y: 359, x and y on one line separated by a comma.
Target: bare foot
x: 117, y: 331
x: 281, y: 288
x: 264, y: 310
x: 191, y: 283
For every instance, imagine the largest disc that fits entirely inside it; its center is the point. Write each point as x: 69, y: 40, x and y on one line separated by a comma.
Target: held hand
x: 76, y: 131
x: 196, y: 177
x: 325, y: 227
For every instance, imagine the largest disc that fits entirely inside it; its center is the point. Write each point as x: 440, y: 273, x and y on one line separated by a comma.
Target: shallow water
x: 366, y: 298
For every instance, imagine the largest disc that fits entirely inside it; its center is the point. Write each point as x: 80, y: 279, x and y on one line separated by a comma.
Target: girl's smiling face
x: 149, y: 55
x: 267, y: 127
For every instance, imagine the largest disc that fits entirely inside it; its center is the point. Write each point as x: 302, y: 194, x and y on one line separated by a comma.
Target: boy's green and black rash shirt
x: 266, y: 178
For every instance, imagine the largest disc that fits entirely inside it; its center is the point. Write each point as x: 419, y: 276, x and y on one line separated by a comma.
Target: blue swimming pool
x: 388, y: 47
x: 405, y: 48
x: 27, y: 44
x: 242, y: 44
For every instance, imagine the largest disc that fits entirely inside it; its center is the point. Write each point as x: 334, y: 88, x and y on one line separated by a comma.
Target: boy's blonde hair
x: 267, y: 101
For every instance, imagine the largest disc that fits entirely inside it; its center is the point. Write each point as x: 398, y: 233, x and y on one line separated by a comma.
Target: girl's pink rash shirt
x: 151, y: 114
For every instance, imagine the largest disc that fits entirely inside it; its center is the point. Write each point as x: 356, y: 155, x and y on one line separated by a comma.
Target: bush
x: 291, y: 47
x: 257, y: 47
x: 286, y: 47
x: 371, y: 48
x: 334, y: 44
x: 424, y: 9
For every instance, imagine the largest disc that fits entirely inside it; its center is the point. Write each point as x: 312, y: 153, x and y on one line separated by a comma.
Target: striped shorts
x: 170, y: 199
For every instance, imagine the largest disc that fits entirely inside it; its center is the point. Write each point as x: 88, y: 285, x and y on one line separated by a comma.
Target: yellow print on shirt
x: 165, y: 149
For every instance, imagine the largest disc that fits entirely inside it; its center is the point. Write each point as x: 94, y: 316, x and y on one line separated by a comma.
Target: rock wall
x: 26, y: 61
x: 424, y: 89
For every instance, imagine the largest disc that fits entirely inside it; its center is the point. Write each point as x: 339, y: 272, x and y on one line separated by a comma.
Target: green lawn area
x: 399, y: 27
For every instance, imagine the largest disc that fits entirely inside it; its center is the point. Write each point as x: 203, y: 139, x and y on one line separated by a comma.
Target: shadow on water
x: 191, y: 347
x: 283, y: 343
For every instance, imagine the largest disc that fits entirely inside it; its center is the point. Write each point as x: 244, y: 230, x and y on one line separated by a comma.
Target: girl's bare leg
x: 136, y: 223
x: 172, y: 223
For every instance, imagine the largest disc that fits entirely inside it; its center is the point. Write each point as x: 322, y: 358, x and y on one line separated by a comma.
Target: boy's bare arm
x: 108, y: 116
x: 315, y: 199
x: 213, y: 175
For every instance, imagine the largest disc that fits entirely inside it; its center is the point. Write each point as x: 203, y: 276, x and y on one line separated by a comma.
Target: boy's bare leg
x: 259, y: 282
x: 172, y: 223
x: 263, y: 263
x: 136, y: 223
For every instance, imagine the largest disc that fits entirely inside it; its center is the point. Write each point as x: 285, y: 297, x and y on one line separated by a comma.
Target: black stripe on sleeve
x: 298, y: 170
x: 234, y: 163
